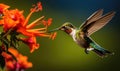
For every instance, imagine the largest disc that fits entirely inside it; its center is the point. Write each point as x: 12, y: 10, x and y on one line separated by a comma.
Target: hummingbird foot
x: 87, y: 50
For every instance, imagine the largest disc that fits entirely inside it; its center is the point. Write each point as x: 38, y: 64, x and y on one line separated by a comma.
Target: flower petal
x: 3, y: 7
x: 34, y: 23
x: 53, y: 35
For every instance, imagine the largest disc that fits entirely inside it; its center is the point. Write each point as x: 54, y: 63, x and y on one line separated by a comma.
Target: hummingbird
x: 82, y: 34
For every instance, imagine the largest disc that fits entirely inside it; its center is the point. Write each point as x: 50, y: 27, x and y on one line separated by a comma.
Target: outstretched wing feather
x: 95, y: 16
x: 98, y: 24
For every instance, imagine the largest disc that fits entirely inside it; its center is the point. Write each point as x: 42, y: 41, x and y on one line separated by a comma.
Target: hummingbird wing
x: 98, y: 24
x: 95, y: 16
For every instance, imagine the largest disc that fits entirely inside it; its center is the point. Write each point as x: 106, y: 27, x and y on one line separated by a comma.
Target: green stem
x: 7, y: 33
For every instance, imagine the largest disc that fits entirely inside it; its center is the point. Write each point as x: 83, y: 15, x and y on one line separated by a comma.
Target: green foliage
x: 14, y: 42
x: 8, y: 39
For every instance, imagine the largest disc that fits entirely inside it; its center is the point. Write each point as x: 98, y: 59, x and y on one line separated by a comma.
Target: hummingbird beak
x: 56, y: 29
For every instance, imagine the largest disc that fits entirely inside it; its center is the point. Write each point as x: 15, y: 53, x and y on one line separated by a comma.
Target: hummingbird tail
x: 101, y: 51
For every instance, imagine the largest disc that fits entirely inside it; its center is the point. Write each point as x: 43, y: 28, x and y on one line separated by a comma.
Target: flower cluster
x: 18, y: 65
x: 14, y: 24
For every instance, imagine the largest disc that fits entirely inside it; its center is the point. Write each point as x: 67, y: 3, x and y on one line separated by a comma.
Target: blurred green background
x: 62, y: 54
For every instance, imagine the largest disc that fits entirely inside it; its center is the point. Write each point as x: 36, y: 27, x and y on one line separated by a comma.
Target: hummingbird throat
x: 68, y: 31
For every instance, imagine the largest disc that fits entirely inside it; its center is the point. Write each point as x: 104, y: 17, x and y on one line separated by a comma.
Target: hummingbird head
x: 67, y: 27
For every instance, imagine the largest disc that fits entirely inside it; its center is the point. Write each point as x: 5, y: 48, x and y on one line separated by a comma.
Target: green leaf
x: 5, y: 42
x: 13, y: 41
x: 2, y: 62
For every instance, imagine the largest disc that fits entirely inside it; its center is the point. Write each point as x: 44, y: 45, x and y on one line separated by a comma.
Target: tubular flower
x: 31, y: 42
x: 53, y: 35
x: 12, y: 19
x: 47, y: 22
x: 39, y: 5
x: 14, y: 23
x: 18, y: 65
x: 15, y: 20
x: 3, y: 7
x: 37, y: 8
x: 28, y: 30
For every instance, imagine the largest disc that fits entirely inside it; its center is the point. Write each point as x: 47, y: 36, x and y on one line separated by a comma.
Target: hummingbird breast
x: 78, y: 37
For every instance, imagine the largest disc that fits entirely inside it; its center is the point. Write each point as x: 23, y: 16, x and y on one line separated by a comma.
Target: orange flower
x: 31, y: 42
x: 12, y: 19
x: 1, y: 22
x: 21, y: 63
x: 3, y: 7
x: 37, y: 8
x: 53, y: 35
x: 48, y: 22
x: 39, y: 5
x: 27, y: 29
